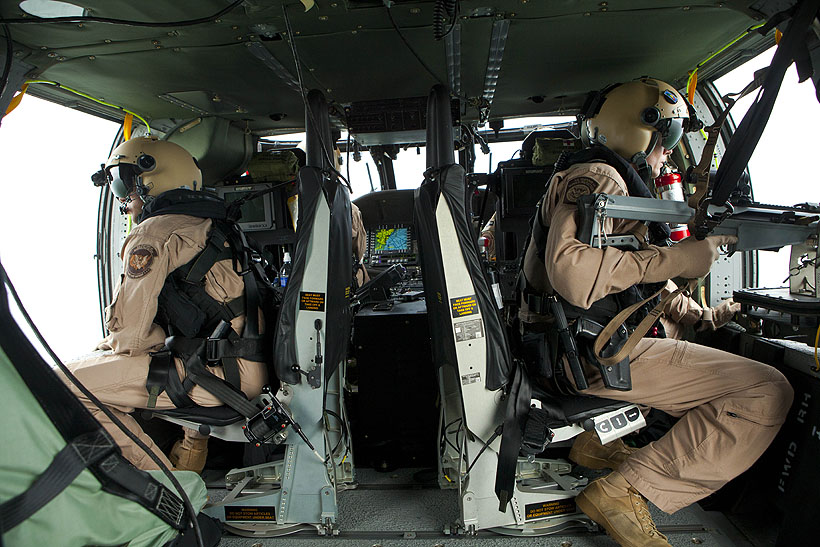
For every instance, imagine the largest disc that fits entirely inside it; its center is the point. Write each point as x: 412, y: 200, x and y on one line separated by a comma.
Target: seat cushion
x: 214, y: 415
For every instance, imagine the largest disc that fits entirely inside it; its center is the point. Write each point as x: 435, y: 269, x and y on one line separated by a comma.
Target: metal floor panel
x: 394, y: 510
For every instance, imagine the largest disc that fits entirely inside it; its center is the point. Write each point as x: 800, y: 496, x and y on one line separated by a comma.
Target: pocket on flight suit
x: 112, y: 318
x: 753, y: 433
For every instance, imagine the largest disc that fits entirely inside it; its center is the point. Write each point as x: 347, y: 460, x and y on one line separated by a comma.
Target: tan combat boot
x: 189, y: 453
x: 614, y: 504
x: 588, y: 451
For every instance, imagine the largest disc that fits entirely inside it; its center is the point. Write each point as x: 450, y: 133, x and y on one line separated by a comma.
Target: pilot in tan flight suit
x: 138, y: 171
x: 729, y: 407
x: 359, y: 245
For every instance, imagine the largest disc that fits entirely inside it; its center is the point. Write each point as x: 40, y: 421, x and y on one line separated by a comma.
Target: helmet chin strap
x: 642, y: 167
x: 640, y: 163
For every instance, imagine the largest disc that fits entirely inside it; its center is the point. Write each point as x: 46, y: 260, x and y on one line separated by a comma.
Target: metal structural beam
x: 757, y: 227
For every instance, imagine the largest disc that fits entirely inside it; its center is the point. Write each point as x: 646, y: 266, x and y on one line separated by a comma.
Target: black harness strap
x: 69, y: 462
x: 163, y: 376
x: 213, y: 252
x: 518, y: 404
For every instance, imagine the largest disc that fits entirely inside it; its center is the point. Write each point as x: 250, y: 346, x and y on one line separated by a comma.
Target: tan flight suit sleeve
x: 148, y: 256
x: 359, y: 243
x: 682, y: 309
x: 580, y: 273
x: 489, y: 232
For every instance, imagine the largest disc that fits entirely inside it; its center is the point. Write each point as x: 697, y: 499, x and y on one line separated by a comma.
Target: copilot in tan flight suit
x: 116, y: 373
x: 729, y: 407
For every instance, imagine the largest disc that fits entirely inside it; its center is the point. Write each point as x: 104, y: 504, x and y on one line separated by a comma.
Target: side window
x: 781, y: 167
x: 48, y: 218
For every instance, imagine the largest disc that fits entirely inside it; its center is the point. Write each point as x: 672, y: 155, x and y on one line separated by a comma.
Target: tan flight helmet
x: 635, y: 116
x: 148, y: 167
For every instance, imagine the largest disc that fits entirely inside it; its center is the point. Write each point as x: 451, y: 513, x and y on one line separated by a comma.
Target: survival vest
x: 198, y: 325
x: 588, y: 323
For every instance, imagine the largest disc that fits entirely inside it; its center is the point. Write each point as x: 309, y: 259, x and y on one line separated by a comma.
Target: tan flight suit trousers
x: 730, y: 407
x: 117, y: 371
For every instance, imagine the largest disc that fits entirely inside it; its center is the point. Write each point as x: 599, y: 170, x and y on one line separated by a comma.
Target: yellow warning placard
x: 312, y: 301
x: 250, y: 513
x: 549, y: 509
x: 465, y: 305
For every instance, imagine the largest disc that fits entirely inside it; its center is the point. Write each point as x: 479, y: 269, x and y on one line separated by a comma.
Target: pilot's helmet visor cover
x: 671, y: 130
x: 122, y: 179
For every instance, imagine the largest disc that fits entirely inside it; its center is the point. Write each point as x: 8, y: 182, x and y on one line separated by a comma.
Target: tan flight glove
x: 690, y: 258
x: 714, y: 318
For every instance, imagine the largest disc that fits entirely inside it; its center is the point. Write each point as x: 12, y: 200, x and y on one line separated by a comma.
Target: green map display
x: 392, y: 239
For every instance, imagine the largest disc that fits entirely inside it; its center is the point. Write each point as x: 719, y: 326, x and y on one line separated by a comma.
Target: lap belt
x: 163, y: 375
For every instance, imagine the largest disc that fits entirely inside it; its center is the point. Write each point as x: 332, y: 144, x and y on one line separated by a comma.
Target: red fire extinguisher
x: 669, y: 186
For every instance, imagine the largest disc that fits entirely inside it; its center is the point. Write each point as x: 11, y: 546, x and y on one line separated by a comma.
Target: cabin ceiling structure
x: 512, y: 58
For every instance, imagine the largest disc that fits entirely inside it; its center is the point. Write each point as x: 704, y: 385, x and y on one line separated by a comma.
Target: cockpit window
x: 48, y: 9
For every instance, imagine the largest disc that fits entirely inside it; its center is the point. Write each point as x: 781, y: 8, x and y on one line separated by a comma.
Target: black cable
x: 308, y: 110
x: 493, y: 437
x: 345, y: 433
x: 4, y: 80
x: 116, y: 421
x: 446, y: 433
x: 126, y: 22
x: 413, y: 51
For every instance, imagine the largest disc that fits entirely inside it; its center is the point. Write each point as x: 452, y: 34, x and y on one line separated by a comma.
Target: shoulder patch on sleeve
x: 578, y: 187
x: 139, y: 261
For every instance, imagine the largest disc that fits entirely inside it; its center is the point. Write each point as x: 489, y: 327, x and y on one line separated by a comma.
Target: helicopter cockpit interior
x: 398, y: 406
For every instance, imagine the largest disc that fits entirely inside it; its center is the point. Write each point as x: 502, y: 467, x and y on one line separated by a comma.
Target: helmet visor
x: 122, y: 179
x: 671, y: 130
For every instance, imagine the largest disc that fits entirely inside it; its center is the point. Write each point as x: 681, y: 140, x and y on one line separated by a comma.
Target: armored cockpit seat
x: 310, y: 343
x: 488, y: 405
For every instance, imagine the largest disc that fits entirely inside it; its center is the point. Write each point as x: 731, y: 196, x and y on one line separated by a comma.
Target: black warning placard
x: 251, y: 513
x: 312, y: 301
x: 549, y: 509
x: 465, y: 305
